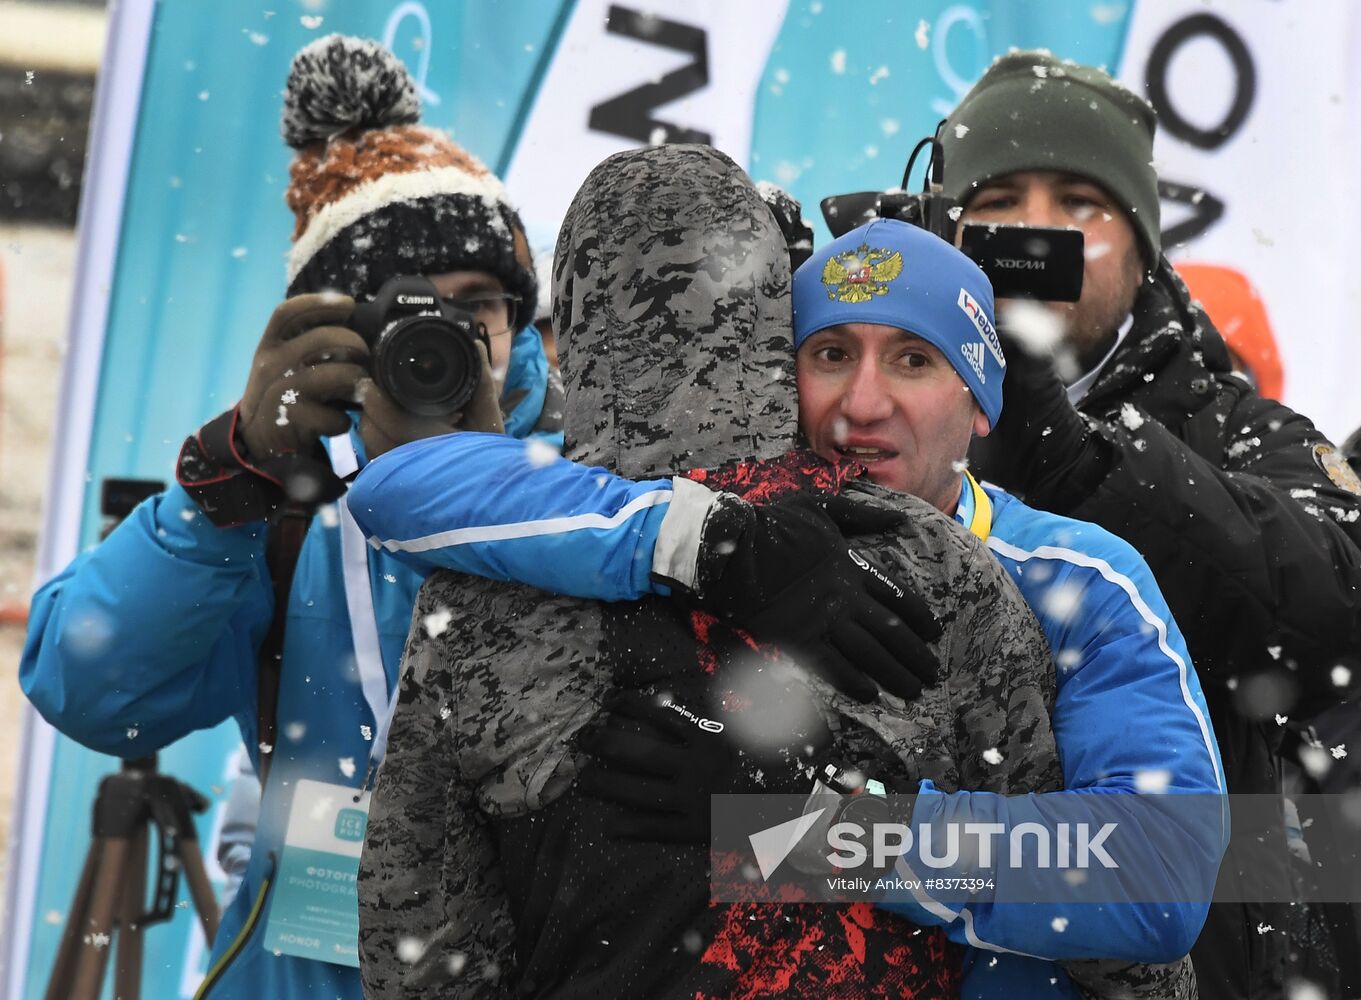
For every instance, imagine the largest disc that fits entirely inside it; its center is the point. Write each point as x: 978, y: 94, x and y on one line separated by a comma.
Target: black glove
x: 784, y: 573
x: 662, y: 766
x: 1041, y: 448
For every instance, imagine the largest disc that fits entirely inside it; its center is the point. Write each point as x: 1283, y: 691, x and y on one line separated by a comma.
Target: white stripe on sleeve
x: 525, y: 529
x: 1145, y: 612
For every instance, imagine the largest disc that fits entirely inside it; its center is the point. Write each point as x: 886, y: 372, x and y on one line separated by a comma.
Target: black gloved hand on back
x: 1041, y: 448
x: 662, y: 765
x: 784, y: 573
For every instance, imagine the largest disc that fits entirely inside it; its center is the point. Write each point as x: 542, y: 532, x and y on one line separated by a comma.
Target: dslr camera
x: 1034, y: 262
x: 423, y: 351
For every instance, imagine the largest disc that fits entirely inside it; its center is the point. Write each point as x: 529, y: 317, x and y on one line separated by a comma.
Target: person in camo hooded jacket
x: 672, y: 305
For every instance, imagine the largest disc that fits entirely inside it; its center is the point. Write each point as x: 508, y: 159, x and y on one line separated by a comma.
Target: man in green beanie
x: 1246, y: 513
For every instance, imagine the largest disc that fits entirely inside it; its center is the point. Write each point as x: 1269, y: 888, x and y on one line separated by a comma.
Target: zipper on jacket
x: 229, y: 956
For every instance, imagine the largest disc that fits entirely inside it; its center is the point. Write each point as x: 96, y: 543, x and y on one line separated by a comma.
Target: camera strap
x: 287, y: 532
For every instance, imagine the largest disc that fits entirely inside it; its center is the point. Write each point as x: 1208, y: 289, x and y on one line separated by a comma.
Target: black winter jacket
x: 1252, y: 530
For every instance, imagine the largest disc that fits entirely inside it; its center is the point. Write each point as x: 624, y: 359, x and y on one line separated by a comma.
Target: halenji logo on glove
x: 708, y: 725
x: 864, y: 564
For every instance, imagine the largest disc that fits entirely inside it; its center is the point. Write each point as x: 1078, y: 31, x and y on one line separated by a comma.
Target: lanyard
x: 975, y: 509
x: 368, y: 653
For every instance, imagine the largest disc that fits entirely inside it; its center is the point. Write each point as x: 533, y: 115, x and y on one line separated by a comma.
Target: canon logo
x: 1019, y: 264
x: 415, y: 300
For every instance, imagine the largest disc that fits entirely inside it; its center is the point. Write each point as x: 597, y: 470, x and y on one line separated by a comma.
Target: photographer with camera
x: 224, y: 596
x: 1245, y: 512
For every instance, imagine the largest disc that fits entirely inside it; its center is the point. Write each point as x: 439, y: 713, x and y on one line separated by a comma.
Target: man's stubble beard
x: 1092, y: 323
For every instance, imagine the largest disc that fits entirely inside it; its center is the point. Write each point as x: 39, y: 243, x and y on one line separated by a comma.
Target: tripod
x: 111, y: 895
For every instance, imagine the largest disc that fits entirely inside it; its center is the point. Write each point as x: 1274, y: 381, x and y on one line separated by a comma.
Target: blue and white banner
x: 183, y: 229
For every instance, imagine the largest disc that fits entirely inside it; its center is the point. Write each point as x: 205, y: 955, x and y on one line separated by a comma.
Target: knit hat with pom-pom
x: 375, y: 194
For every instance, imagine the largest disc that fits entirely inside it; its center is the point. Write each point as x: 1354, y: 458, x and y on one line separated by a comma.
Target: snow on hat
x: 375, y: 194
x: 895, y: 274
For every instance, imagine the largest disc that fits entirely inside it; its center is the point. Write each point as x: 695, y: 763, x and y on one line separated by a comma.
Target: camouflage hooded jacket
x: 672, y: 311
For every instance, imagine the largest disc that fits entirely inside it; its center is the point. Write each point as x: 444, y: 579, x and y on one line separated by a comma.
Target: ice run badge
x: 315, y: 909
x: 861, y: 274
x: 1336, y: 468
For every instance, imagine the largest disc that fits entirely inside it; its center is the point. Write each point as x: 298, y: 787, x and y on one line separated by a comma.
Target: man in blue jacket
x: 897, y: 377
x: 155, y: 633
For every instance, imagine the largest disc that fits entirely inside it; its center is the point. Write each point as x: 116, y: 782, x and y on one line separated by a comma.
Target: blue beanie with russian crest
x: 895, y: 274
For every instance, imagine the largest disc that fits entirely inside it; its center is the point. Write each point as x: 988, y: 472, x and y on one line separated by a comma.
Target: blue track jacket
x: 1128, y: 702
x: 153, y: 634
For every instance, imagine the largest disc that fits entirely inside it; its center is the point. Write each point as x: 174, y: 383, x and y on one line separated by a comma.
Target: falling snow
x: 1152, y: 782
x: 410, y: 950
x: 539, y: 453
x: 437, y: 622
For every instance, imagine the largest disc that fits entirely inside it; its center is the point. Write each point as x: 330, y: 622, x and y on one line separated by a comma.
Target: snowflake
x: 539, y: 453
x: 1060, y: 924
x: 289, y: 397
x: 410, y: 950
x: 993, y: 756
x: 1338, y: 751
x: 347, y: 766
x: 1152, y: 782
x: 923, y: 34
x: 437, y: 622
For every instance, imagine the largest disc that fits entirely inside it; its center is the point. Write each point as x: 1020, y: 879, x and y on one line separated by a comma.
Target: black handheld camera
x: 1034, y: 262
x: 423, y: 350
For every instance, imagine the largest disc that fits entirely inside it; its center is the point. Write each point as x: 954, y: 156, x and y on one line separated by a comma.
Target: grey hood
x: 671, y: 306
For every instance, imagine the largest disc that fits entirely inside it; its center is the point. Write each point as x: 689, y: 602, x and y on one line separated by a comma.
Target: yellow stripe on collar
x: 981, y: 522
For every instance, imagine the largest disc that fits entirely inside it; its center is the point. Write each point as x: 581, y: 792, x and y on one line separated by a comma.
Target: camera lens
x: 427, y: 364
x: 428, y: 367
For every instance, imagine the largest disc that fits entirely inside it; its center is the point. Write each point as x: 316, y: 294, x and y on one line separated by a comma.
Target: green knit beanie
x: 1031, y: 111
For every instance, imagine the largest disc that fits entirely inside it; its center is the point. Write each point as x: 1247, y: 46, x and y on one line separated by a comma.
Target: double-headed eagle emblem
x: 859, y: 275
